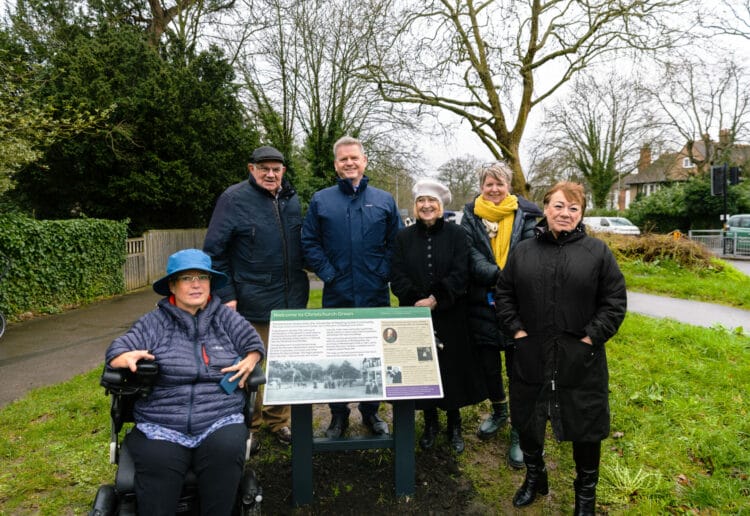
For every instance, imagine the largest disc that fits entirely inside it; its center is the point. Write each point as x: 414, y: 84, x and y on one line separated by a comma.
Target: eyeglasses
x: 189, y: 278
x: 266, y: 170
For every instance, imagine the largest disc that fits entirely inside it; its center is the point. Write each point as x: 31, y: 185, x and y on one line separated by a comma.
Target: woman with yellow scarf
x: 494, y: 223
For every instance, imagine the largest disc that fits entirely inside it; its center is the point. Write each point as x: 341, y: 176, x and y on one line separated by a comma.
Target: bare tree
x: 186, y: 13
x: 730, y: 17
x: 491, y: 62
x: 701, y: 98
x: 460, y: 175
x: 296, y: 62
x: 548, y: 166
x: 598, y: 129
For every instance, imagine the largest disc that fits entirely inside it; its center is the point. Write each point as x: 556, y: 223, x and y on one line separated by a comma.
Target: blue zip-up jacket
x: 254, y: 238
x: 347, y: 239
x: 190, y: 351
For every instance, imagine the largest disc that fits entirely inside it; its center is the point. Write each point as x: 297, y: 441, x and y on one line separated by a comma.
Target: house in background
x: 674, y: 166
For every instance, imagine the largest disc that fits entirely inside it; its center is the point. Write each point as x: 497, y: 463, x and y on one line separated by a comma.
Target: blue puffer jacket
x: 254, y: 238
x: 347, y: 238
x: 187, y: 397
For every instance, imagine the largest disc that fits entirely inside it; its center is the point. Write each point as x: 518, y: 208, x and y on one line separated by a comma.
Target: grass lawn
x: 680, y: 439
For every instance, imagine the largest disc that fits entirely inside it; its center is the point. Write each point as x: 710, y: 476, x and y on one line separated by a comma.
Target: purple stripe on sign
x: 413, y: 391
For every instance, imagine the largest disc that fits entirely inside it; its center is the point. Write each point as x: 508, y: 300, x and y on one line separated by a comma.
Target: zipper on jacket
x: 284, y: 250
x: 553, y: 395
x: 199, y: 349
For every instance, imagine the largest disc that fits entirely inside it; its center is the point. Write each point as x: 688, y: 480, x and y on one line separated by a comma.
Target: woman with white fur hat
x: 431, y: 268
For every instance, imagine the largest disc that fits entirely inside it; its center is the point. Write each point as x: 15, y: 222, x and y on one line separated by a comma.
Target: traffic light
x: 734, y: 175
x: 718, y: 179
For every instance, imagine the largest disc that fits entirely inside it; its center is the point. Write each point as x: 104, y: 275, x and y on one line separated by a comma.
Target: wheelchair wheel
x: 105, y: 503
x: 2, y: 324
x: 250, y: 495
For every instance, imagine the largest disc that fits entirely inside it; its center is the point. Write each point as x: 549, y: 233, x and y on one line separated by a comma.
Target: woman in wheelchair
x: 191, y: 420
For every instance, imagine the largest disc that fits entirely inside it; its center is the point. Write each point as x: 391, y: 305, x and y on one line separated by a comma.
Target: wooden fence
x: 146, y: 259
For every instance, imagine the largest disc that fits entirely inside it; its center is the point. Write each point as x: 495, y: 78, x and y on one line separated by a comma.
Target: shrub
x: 59, y: 263
x: 651, y: 247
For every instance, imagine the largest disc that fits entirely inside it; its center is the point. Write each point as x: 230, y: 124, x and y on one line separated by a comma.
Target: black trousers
x: 366, y: 408
x: 585, y: 454
x: 160, y: 468
x: 490, y: 357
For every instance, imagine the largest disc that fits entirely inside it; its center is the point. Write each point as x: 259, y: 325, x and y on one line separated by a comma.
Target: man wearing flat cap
x: 254, y: 238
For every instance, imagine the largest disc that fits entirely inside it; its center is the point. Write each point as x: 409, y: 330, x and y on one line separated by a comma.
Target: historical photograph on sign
x: 323, y: 380
x: 324, y: 356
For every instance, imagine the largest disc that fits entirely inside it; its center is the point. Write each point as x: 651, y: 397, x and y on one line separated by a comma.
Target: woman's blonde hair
x: 441, y: 209
x: 498, y: 170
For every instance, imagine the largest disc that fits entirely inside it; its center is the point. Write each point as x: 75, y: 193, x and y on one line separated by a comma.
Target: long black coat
x: 559, y: 291
x: 434, y: 261
x: 483, y: 269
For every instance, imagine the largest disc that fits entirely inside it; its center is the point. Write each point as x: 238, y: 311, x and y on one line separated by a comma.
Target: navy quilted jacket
x: 190, y: 351
x: 254, y: 238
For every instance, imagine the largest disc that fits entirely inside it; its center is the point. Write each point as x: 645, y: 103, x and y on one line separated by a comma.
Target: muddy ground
x: 362, y: 482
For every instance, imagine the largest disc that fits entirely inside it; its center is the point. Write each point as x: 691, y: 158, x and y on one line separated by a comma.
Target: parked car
x: 737, y: 234
x: 619, y: 225
x: 453, y: 216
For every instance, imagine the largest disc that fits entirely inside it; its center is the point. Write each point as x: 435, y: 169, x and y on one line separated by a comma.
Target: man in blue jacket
x: 347, y: 239
x: 254, y: 238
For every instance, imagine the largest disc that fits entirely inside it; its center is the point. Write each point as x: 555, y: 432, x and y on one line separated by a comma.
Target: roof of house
x: 656, y: 172
x: 667, y: 168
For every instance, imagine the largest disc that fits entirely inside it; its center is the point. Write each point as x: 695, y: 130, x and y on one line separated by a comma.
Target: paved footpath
x: 53, y: 349
x: 690, y: 312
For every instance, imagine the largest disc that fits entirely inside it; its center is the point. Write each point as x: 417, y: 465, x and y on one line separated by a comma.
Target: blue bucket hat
x: 185, y: 260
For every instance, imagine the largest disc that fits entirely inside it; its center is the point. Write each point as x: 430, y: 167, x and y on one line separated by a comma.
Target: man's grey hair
x: 348, y: 140
x: 498, y: 170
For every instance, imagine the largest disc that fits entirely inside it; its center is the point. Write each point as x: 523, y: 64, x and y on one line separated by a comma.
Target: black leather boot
x: 454, y: 431
x: 585, y: 488
x: 535, y: 481
x: 431, y: 428
x: 586, y: 456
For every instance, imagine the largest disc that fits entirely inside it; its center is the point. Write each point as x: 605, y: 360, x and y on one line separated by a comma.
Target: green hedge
x: 59, y: 263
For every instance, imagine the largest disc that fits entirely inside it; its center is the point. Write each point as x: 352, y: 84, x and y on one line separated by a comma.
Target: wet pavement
x: 53, y: 349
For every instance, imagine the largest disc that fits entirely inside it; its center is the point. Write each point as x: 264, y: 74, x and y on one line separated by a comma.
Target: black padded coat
x: 255, y: 238
x: 559, y: 291
x: 483, y: 269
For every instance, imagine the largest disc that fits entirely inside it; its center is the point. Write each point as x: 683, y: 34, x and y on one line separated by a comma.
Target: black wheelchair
x: 125, y: 387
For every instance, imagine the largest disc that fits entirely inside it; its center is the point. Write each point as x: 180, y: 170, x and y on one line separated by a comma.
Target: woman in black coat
x: 561, y: 296
x: 430, y: 268
x: 495, y: 222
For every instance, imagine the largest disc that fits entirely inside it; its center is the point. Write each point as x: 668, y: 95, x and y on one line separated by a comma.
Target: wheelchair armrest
x: 256, y: 379
x: 123, y: 381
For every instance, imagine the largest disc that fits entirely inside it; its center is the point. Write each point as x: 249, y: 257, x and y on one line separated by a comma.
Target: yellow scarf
x: 498, y: 221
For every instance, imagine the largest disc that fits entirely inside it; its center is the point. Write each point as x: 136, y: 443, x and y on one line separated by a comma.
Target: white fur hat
x: 432, y: 188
